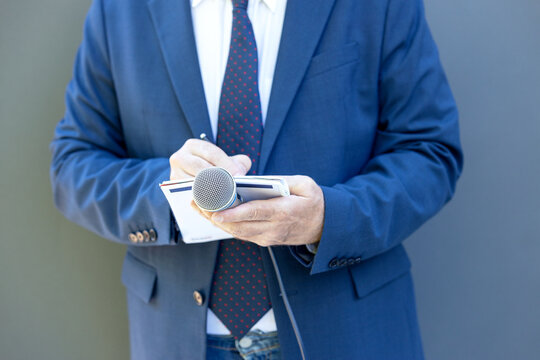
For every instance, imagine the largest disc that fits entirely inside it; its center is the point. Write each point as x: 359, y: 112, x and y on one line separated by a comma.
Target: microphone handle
x: 237, y: 201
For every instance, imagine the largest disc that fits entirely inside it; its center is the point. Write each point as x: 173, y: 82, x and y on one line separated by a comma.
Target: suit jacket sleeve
x: 416, y: 158
x: 95, y: 183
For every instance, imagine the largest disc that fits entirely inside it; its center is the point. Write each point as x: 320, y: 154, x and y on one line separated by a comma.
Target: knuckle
x: 284, y: 213
x: 313, y: 185
x: 254, y: 213
x: 309, y: 184
x: 228, y: 164
x: 306, y: 181
x: 236, y: 232
x: 173, y: 158
x: 204, y: 153
x: 189, y: 143
x: 283, y: 234
x: 280, y: 234
x: 180, y: 156
x: 187, y: 146
x: 210, y: 154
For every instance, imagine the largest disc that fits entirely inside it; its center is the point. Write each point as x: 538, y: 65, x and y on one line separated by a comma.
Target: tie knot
x: 240, y: 4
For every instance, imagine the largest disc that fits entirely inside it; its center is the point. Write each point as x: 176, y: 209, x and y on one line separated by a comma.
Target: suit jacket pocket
x: 379, y: 271
x: 138, y: 277
x: 332, y: 59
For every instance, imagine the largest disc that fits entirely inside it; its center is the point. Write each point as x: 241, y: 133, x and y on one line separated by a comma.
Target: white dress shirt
x: 212, y: 25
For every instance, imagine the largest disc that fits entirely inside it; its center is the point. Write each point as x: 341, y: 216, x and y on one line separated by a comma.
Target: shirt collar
x: 195, y: 3
x: 271, y: 4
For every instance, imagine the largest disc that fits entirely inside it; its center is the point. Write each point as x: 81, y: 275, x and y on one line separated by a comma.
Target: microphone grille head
x: 214, y: 189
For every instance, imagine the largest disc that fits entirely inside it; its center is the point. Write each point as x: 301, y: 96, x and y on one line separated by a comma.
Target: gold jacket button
x: 198, y: 297
x: 146, y: 236
x: 132, y: 237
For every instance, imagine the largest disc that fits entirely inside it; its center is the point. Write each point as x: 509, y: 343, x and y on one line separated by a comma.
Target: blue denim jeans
x: 255, y: 345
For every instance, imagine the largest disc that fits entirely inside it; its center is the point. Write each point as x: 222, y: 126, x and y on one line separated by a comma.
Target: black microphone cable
x: 287, y: 304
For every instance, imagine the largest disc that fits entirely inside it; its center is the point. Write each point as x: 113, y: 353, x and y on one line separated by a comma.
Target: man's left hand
x: 290, y: 220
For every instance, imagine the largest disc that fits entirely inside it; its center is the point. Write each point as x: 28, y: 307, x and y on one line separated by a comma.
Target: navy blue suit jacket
x: 359, y: 103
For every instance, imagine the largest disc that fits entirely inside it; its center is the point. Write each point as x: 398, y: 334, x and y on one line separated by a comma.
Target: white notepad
x: 194, y: 227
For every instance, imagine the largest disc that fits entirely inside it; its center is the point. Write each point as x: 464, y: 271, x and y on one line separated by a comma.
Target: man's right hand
x: 196, y: 155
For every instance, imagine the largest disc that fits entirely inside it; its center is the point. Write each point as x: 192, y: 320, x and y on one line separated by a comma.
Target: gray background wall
x: 475, y: 264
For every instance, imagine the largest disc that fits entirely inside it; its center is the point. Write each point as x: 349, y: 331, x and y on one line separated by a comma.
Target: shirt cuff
x: 302, y: 254
x: 312, y: 248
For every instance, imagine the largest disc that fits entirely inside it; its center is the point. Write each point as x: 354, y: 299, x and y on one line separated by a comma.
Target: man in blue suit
x: 359, y: 116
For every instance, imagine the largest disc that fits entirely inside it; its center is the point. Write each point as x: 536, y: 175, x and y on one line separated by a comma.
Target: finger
x: 203, y: 213
x: 191, y: 164
x: 256, y: 210
x: 215, y: 156
x: 243, y: 160
x: 253, y: 231
x: 178, y: 174
x: 184, y: 164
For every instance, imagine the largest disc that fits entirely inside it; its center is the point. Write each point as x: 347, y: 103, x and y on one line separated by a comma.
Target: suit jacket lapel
x: 304, y: 23
x: 174, y: 29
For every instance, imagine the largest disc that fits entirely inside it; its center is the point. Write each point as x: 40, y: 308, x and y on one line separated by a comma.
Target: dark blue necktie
x: 239, y: 293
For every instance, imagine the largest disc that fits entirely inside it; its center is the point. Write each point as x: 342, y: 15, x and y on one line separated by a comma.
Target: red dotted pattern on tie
x: 239, y: 292
x: 240, y: 120
x: 239, y: 295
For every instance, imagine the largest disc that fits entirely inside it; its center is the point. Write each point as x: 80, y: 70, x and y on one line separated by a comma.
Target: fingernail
x: 218, y: 218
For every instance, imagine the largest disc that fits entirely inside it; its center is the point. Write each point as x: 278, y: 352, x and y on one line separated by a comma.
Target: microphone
x: 214, y: 189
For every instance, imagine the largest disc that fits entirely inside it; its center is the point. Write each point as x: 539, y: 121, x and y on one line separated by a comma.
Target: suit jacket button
x: 350, y: 261
x: 140, y: 236
x: 146, y: 235
x: 333, y: 263
x: 132, y: 237
x: 153, y: 235
x: 342, y: 262
x: 198, y: 297
x: 358, y: 260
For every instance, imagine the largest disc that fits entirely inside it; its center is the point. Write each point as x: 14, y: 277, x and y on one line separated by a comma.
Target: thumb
x: 243, y: 161
x: 299, y: 185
